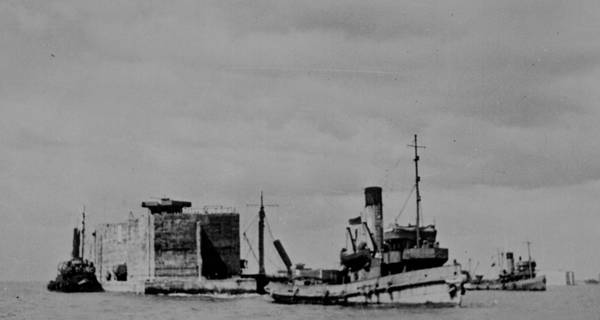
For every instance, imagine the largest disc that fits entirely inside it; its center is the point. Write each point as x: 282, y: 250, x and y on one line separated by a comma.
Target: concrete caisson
x: 162, y: 246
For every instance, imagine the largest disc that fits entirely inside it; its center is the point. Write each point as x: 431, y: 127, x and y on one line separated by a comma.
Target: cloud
x: 108, y: 104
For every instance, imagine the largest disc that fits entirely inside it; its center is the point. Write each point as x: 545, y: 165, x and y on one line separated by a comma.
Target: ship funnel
x: 510, y: 260
x: 76, y: 239
x: 373, y: 209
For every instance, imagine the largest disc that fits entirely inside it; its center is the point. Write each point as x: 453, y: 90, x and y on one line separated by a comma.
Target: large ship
x: 519, y: 276
x: 403, y: 265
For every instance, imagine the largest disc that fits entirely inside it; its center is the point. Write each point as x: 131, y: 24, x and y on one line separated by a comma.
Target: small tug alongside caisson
x: 77, y: 274
x: 404, y: 265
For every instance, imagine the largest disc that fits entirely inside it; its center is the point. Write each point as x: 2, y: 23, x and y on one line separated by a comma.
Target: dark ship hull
x: 82, y: 282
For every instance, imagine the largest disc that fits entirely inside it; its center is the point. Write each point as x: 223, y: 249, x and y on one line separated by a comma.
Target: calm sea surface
x: 31, y: 301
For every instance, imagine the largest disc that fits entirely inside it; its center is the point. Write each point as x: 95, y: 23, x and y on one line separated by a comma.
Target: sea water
x: 31, y: 300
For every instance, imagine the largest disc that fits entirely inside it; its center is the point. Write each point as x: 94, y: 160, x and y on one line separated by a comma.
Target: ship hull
x: 440, y: 286
x: 534, y: 284
x: 75, y: 283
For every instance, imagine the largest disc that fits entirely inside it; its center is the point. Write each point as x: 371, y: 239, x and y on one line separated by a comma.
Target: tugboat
x: 519, y: 277
x: 403, y: 266
x: 77, y: 274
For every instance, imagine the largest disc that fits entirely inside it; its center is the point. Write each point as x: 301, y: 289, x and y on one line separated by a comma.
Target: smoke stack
x: 76, y: 238
x: 511, y: 262
x: 373, y: 208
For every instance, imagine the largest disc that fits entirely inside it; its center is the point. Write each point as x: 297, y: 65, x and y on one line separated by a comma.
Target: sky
x: 107, y: 104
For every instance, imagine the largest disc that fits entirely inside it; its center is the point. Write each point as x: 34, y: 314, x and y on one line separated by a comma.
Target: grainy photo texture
x: 278, y: 159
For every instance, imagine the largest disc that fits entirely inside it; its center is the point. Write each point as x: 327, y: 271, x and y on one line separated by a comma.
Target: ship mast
x: 261, y: 233
x: 83, y: 233
x: 417, y: 180
x: 261, y: 237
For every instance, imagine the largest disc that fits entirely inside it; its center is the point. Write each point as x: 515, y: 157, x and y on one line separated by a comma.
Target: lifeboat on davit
x: 361, y: 259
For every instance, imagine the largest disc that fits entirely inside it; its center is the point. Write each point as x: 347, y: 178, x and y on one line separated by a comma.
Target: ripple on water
x: 32, y: 301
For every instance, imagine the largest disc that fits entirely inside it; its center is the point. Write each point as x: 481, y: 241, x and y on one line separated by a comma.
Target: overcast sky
x: 106, y: 104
